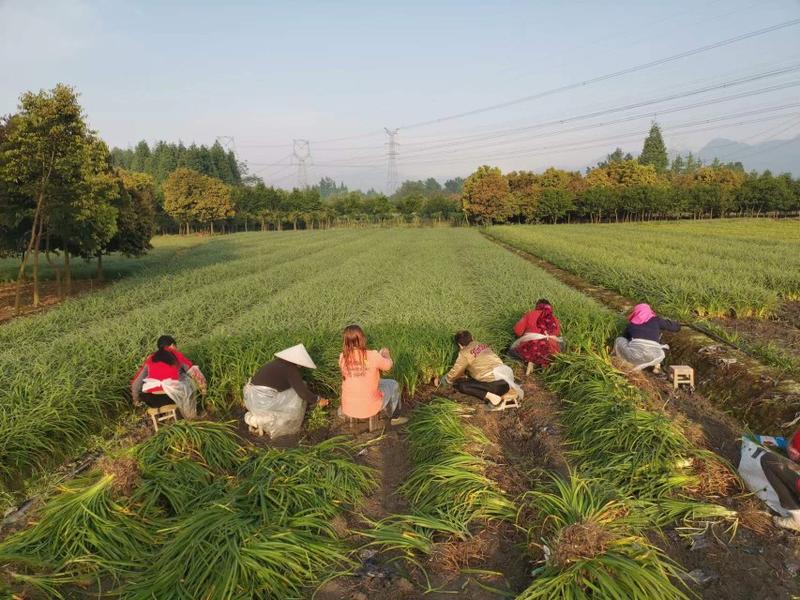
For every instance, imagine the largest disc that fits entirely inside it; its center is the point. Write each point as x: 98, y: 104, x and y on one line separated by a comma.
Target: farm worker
x: 640, y: 344
x: 168, y: 377
x: 364, y: 392
x: 276, y: 397
x: 479, y: 372
x: 774, y: 478
x: 537, y: 334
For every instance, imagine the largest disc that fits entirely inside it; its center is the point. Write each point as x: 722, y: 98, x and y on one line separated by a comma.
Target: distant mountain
x: 779, y: 156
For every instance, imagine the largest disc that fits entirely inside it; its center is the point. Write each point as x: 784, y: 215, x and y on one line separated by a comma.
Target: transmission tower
x: 391, y: 173
x: 302, y: 153
x: 227, y: 142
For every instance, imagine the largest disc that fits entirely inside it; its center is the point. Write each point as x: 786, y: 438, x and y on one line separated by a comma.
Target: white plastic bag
x: 276, y: 413
x: 182, y: 393
x: 754, y: 478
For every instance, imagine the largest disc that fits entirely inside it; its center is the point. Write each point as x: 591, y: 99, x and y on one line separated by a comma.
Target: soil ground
x: 48, y: 296
x: 783, y: 330
x: 522, y: 440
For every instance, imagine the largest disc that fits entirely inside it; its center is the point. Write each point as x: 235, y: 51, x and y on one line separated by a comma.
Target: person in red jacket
x: 164, y: 379
x: 537, y: 334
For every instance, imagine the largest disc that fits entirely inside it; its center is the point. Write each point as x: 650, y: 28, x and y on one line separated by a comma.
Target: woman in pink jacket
x: 364, y: 393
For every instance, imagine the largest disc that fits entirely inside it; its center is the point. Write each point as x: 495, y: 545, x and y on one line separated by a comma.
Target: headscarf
x: 547, y: 322
x: 641, y: 314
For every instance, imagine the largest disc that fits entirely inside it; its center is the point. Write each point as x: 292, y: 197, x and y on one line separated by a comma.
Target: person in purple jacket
x: 640, y: 343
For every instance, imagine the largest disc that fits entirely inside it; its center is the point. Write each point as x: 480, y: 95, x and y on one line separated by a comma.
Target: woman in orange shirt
x: 364, y: 393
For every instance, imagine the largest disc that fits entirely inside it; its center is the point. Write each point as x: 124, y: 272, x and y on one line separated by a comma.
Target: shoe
x: 787, y: 523
x: 498, y: 408
x: 399, y: 421
x: 494, y: 399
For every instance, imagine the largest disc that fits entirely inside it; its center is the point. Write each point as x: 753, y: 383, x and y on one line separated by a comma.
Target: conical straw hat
x: 297, y: 355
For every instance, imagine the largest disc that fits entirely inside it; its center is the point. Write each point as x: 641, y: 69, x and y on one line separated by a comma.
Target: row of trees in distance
x: 624, y: 188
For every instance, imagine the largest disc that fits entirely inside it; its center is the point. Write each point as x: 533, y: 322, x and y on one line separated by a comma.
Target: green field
x: 738, y: 267
x: 233, y: 301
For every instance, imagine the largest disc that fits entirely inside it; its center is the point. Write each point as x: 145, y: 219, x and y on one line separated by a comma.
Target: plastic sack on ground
x: 640, y: 353
x: 275, y: 413
x: 752, y: 473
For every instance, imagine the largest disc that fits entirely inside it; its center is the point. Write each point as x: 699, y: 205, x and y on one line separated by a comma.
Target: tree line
x: 64, y: 194
x: 626, y: 188
x: 60, y: 194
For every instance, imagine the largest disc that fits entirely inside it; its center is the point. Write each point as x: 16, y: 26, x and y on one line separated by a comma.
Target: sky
x: 262, y: 74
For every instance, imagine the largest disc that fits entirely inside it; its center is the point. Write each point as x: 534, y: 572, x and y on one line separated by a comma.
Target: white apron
x: 276, y: 413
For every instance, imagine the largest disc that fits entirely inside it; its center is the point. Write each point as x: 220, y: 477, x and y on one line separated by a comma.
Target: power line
x: 626, y: 71
x: 596, y: 142
x: 483, y: 138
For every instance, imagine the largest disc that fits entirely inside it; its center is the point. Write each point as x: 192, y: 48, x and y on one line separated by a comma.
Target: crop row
x: 233, y: 302
x: 192, y: 514
x: 683, y: 269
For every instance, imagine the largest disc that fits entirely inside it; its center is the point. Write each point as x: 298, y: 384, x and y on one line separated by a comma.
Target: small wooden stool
x: 162, y: 413
x: 513, y: 403
x: 682, y: 375
x: 372, y: 421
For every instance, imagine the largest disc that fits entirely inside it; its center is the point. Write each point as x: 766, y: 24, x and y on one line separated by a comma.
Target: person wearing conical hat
x: 276, y: 397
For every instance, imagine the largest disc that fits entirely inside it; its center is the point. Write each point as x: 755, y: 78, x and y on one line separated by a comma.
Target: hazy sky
x: 265, y: 73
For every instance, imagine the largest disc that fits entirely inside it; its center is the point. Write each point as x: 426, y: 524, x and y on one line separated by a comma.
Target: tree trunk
x: 212, y: 227
x: 36, y: 269
x: 26, y: 255
x: 99, y: 273
x: 67, y: 274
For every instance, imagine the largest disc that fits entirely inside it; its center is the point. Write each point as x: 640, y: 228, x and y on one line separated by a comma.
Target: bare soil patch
x: 48, y: 296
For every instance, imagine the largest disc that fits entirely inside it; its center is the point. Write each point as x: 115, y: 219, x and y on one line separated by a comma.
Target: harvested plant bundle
x: 642, y: 453
x: 83, y: 529
x: 319, y: 479
x: 222, y: 553
x: 210, y: 444
x: 593, y: 547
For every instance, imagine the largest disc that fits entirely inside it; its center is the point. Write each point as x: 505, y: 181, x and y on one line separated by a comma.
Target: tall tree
x: 486, y: 196
x: 190, y: 196
x: 42, y: 156
x: 654, y: 151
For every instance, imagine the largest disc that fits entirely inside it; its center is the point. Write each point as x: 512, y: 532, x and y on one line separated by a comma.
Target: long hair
x: 163, y: 355
x: 354, y: 347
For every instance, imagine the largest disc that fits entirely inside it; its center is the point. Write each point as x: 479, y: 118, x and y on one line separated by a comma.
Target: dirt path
x: 516, y: 447
x: 760, y: 398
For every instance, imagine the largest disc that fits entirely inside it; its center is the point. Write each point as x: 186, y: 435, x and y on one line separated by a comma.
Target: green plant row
x: 192, y: 514
x: 233, y: 302
x: 447, y: 490
x: 633, y: 470
x: 739, y: 266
